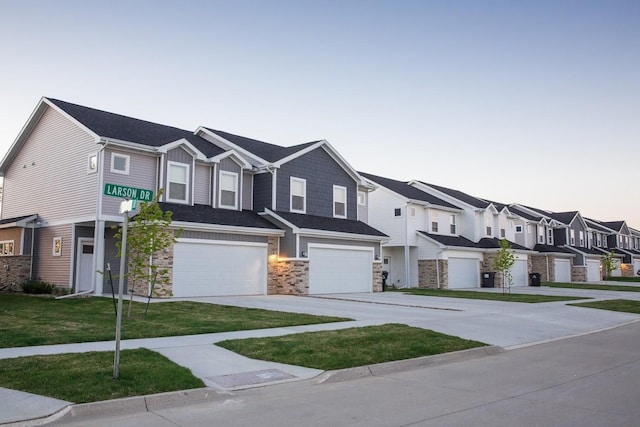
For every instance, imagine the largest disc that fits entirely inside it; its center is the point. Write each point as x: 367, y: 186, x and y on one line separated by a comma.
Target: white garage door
x: 519, y: 273
x: 340, y: 270
x: 563, y: 270
x: 464, y: 273
x: 636, y: 268
x: 593, y: 271
x: 204, y: 268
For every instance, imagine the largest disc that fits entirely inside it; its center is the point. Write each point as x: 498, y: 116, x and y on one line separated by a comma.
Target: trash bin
x: 385, y: 276
x: 488, y: 279
x: 534, y: 279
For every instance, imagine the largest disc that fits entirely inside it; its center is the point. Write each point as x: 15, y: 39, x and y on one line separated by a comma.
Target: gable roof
x: 551, y: 249
x: 205, y: 214
x: 460, y: 241
x: 591, y: 223
x: 405, y: 189
x: 460, y: 195
x: 563, y: 217
x: 614, y: 225
x: 313, y: 222
x: 516, y: 210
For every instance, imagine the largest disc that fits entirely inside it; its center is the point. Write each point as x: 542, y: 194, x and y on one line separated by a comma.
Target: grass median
x: 493, y: 296
x: 31, y: 321
x: 594, y: 287
x: 623, y: 305
x: 348, y: 348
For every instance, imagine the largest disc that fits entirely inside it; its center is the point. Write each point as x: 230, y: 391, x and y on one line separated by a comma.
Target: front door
x: 84, y: 272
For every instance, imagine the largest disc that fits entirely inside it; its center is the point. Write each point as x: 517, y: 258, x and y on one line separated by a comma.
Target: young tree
x: 149, y: 233
x: 609, y: 263
x: 503, y: 262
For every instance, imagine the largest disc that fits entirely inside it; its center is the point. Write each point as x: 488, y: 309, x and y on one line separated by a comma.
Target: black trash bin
x: 385, y: 276
x: 535, y: 279
x: 488, y: 279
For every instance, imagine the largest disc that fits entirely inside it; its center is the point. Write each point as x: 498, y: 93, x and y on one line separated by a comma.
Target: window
x: 120, y: 163
x: 362, y: 198
x: 228, y: 190
x: 572, y: 234
x: 518, y: 229
x: 549, y: 236
x: 339, y: 201
x: 488, y: 230
x: 598, y: 240
x: 6, y: 248
x: 57, y: 246
x: 581, y: 237
x: 604, y: 241
x: 434, y: 222
x: 540, y: 234
x: 452, y: 224
x: 92, y: 163
x: 620, y: 240
x: 397, y: 212
x: 412, y: 212
x: 529, y: 228
x: 177, y: 182
x: 503, y: 233
x: 298, y: 195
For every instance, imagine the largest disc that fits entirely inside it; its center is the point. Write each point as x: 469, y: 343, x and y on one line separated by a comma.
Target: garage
x: 636, y: 268
x: 334, y: 270
x: 563, y: 270
x: 520, y: 273
x: 593, y: 270
x: 217, y: 268
x: 464, y: 273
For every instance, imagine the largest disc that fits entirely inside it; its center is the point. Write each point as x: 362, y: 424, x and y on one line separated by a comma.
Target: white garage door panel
x: 519, y: 273
x: 206, y: 269
x: 636, y: 268
x: 333, y: 271
x: 563, y: 270
x: 593, y: 271
x: 463, y: 273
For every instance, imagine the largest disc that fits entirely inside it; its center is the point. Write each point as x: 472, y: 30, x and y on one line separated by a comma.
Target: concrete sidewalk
x: 507, y: 325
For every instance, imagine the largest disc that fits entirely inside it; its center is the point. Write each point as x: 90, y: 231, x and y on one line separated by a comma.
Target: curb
x: 405, y: 365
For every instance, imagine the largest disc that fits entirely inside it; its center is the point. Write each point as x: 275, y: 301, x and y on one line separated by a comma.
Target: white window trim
x: 572, y: 237
x: 304, y: 195
x: 362, y: 202
x: 89, y: 170
x: 58, y: 252
x: 128, y: 161
x: 334, y: 201
x: 187, y: 175
x: 13, y: 247
x: 220, y: 205
x: 521, y: 229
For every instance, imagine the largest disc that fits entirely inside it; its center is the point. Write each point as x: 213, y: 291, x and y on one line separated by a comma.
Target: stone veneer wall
x: 486, y: 266
x: 429, y: 270
x: 578, y: 273
x: 539, y: 265
x: 14, y: 271
x: 288, y: 277
x: 162, y: 259
x: 377, y: 277
x: 627, y: 270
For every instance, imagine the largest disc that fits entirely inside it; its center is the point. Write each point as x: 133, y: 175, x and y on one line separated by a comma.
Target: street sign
x: 125, y: 192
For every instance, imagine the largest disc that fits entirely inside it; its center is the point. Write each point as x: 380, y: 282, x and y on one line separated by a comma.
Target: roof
x: 459, y: 241
x: 464, y: 197
x: 592, y: 223
x: 17, y: 219
x: 563, y: 217
x: 264, y: 150
x: 614, y: 225
x: 404, y: 189
x: 588, y: 251
x: 123, y: 128
x: 205, y: 214
x: 514, y: 209
x: 551, y: 249
x: 339, y: 225
x: 494, y: 243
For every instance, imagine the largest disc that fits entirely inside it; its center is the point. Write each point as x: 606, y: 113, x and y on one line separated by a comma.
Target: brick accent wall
x: 429, y: 270
x: 539, y: 265
x: 627, y: 270
x: 486, y: 266
x: 14, y: 271
x: 289, y: 277
x: 377, y: 277
x: 162, y: 259
x: 578, y: 273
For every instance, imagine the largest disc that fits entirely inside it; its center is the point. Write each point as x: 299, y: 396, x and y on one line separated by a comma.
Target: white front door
x: 84, y: 270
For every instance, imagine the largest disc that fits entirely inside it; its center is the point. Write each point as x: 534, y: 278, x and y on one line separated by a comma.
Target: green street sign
x: 130, y: 193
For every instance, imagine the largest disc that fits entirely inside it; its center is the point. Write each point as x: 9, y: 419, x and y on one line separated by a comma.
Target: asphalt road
x: 591, y: 380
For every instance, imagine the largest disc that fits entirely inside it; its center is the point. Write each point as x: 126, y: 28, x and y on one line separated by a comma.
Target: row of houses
x: 259, y: 218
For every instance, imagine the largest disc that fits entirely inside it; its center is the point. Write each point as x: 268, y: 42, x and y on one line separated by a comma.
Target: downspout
x: 33, y: 235
x: 407, y: 263
x: 438, y: 269
x: 547, y: 257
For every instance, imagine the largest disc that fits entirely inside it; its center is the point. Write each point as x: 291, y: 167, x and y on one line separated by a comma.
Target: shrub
x: 37, y: 287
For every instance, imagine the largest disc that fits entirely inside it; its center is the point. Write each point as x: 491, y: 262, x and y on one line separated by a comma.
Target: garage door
x: 463, y: 273
x: 206, y: 268
x: 563, y: 270
x: 340, y: 270
x: 519, y: 273
x: 593, y: 271
x: 636, y: 268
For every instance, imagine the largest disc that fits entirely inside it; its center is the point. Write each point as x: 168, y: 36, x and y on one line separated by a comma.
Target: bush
x: 37, y: 287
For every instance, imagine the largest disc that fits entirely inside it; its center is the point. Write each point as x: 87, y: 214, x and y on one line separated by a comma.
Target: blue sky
x: 536, y: 102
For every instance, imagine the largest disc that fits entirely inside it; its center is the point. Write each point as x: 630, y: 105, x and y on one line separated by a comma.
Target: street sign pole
x: 123, y: 251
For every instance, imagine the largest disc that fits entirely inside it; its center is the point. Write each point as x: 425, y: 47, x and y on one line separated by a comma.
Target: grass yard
x: 528, y: 298
x: 347, y: 348
x: 590, y: 286
x: 624, y: 279
x: 29, y: 321
x: 88, y: 377
x: 624, y: 305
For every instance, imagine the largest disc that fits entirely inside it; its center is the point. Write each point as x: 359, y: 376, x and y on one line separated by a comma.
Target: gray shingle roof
x: 591, y: 223
x: 205, y: 214
x: 564, y: 217
x: 526, y: 215
x: 464, y: 197
x: 15, y: 219
x: 404, y: 189
x: 314, y: 222
x: 459, y: 241
x: 551, y: 249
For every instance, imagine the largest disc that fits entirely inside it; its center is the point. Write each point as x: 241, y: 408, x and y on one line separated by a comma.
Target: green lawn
x: 348, y: 348
x: 624, y: 279
x: 499, y: 296
x: 593, y: 286
x: 88, y: 377
x: 624, y: 305
x: 29, y: 321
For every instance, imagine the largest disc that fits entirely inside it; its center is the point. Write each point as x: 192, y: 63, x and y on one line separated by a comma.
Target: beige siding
x: 202, y: 189
x: 49, y: 174
x: 142, y: 174
x: 49, y: 268
x: 15, y: 235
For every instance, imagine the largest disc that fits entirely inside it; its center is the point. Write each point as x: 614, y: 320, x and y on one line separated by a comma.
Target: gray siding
x: 202, y: 189
x: 188, y: 234
x: 577, y: 227
x: 287, y: 242
x: 49, y: 174
x: 560, y: 237
x: 321, y: 173
x: 304, y: 243
x: 247, y: 191
x: 49, y: 268
x: 178, y: 155
x: 142, y: 174
x: 262, y: 191
x: 363, y: 211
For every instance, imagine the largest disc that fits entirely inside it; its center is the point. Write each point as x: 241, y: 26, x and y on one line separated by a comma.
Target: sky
x: 531, y: 102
